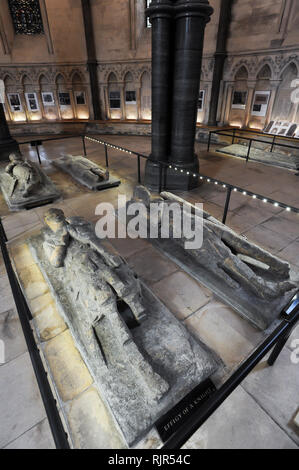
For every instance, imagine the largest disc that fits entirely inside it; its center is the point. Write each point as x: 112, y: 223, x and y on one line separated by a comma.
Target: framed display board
x: 64, y: 99
x: 15, y: 102
x: 260, y: 103
x: 48, y: 98
x: 201, y: 100
x: 239, y: 99
x: 32, y: 102
x: 80, y: 97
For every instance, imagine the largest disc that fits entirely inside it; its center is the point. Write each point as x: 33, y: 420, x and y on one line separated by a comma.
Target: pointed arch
x: 265, y: 72
x: 242, y: 73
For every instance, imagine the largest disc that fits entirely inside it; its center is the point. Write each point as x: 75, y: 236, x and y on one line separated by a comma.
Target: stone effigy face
x: 142, y: 359
x: 25, y: 185
x: 85, y: 172
x: 250, y: 279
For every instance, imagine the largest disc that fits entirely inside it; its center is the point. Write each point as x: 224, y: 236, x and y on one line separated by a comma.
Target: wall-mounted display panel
x: 260, y: 103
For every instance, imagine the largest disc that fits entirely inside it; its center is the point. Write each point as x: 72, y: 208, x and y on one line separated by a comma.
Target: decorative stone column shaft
x: 191, y: 17
x: 160, y: 13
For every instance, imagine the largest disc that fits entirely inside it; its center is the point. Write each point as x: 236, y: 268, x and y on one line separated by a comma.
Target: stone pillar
x: 7, y: 143
x: 91, y: 58
x: 160, y: 13
x: 191, y: 17
x: 219, y: 58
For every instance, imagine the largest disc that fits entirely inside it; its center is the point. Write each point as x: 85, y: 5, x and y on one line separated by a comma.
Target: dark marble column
x: 219, y: 57
x: 7, y: 143
x: 91, y: 58
x: 191, y: 17
x: 160, y: 13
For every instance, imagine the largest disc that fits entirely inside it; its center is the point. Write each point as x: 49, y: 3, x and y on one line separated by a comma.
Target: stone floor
x: 260, y: 413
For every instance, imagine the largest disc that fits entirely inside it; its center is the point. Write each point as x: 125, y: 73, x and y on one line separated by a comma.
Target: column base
x: 7, y: 147
x: 171, y: 179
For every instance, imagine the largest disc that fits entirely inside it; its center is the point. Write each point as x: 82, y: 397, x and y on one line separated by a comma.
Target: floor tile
x: 276, y: 390
x: 267, y: 239
x: 39, y: 437
x: 151, y: 265
x: 21, y: 406
x: 240, y: 423
x: 12, y: 334
x: 182, y: 294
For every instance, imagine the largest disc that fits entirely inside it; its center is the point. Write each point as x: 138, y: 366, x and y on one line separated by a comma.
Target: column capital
x: 193, y: 8
x: 160, y: 9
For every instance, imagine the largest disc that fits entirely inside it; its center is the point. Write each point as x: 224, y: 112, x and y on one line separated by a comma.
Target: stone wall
x: 262, y: 45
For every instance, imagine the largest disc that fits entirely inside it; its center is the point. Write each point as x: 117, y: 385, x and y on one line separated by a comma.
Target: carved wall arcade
x: 46, y: 93
x: 272, y: 74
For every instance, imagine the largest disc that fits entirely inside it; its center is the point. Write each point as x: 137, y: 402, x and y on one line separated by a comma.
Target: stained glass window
x: 26, y: 16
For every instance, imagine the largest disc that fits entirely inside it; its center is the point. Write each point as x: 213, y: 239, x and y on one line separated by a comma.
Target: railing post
x: 273, y: 143
x: 249, y: 148
x: 209, y: 141
x: 38, y: 155
x: 229, y: 192
x: 138, y: 166
x: 106, y: 156
x: 160, y: 177
x: 84, y: 146
x: 234, y: 136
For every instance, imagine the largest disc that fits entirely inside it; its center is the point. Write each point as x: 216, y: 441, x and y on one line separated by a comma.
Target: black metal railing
x: 272, y: 139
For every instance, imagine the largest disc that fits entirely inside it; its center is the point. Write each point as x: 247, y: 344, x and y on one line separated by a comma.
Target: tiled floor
x: 261, y: 412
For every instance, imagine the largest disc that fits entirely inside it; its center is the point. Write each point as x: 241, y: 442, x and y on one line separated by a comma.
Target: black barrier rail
x: 276, y: 340
x: 207, y: 179
x: 58, y: 431
x: 232, y: 132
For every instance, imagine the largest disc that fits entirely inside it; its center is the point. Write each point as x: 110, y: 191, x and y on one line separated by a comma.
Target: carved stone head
x: 55, y: 219
x: 15, y: 157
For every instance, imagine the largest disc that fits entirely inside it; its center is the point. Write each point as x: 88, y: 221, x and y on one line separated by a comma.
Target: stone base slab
x: 45, y: 194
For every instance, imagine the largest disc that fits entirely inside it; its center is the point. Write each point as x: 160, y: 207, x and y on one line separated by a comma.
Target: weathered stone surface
x: 143, y: 368
x: 33, y: 282
x: 67, y: 367
x: 25, y: 185
x: 296, y: 420
x: 86, y: 172
x: 270, y: 158
x: 258, y: 288
x: 49, y: 323
x: 91, y: 424
x: 22, y: 256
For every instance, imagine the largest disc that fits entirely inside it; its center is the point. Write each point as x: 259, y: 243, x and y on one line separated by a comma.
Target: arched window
x: 26, y: 16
